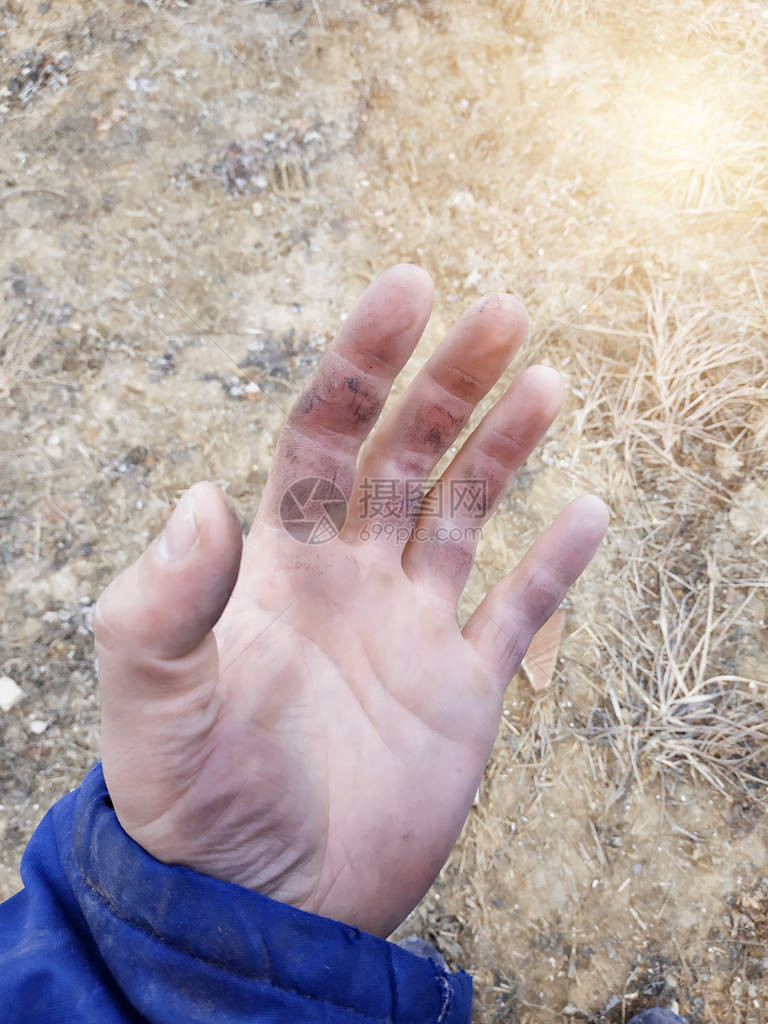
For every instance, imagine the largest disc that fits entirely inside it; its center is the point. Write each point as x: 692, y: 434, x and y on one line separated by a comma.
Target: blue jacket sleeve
x: 103, y: 932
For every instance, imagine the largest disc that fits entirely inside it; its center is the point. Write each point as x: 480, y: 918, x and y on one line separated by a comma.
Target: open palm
x: 304, y: 716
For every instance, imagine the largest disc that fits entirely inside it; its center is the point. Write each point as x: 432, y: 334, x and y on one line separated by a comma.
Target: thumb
x: 152, y: 625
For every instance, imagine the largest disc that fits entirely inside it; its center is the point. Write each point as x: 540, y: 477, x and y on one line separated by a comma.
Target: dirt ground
x: 191, y: 196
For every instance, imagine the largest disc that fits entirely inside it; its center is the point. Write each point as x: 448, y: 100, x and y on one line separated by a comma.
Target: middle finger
x: 396, y: 464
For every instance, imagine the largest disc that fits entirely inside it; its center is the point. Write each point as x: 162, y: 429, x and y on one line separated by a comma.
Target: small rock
x: 107, y: 122
x: 10, y: 693
x: 747, y: 511
x: 37, y: 726
x: 137, y: 455
x: 234, y: 387
x: 53, y: 447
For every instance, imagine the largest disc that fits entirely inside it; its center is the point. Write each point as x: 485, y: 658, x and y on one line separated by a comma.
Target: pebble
x: 10, y: 693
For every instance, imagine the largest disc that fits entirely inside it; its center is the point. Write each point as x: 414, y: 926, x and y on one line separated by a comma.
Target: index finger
x: 335, y: 413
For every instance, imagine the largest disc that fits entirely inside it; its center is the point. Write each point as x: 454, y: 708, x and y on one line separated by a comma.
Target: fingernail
x: 180, y: 533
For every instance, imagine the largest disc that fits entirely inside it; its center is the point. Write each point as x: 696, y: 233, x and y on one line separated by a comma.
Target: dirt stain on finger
x: 367, y: 405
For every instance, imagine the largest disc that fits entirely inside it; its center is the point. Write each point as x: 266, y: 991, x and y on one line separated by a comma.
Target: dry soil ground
x: 191, y: 194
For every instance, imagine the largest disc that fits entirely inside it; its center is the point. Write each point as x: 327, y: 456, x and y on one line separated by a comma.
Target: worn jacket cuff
x: 184, y: 946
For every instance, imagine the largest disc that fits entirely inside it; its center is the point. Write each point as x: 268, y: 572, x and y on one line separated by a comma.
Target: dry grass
x: 683, y: 410
x: 667, y: 704
x: 692, y: 381
x: 21, y: 341
x: 671, y: 384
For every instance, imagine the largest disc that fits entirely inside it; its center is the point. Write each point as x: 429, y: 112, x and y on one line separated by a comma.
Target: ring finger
x: 442, y: 547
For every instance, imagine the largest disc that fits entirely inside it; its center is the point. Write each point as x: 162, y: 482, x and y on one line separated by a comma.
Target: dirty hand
x: 305, y: 717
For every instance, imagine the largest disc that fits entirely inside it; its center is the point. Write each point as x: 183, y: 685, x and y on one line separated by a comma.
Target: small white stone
x: 10, y: 693
x: 37, y: 726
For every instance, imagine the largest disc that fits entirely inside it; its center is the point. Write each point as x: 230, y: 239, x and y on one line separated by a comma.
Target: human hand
x: 307, y: 719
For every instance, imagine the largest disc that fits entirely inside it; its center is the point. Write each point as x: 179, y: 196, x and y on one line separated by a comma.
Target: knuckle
x: 541, y: 596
